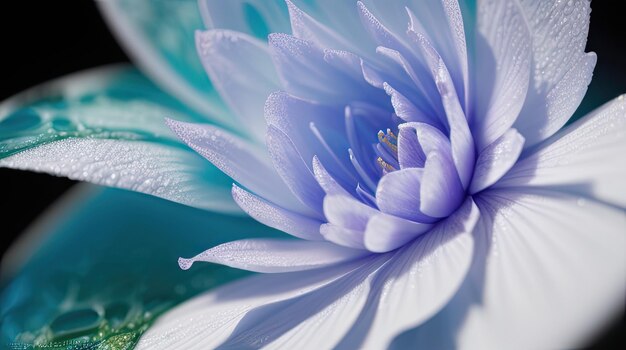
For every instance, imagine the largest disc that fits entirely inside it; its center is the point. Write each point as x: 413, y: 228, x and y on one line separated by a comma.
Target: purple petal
x: 327, y: 181
x: 342, y: 236
x: 307, y: 28
x: 315, y: 130
x: 398, y: 194
x: 305, y: 73
x: 441, y: 191
x: 410, y: 153
x: 385, y: 233
x: 461, y: 139
x: 293, y: 170
x: 347, y: 212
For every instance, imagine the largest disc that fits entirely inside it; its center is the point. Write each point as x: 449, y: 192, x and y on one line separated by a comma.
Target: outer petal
x: 159, y: 37
x: 268, y: 305
x: 241, y: 68
x: 107, y: 127
x: 546, y: 268
x: 586, y: 158
x: 503, y: 65
x: 275, y: 255
x: 237, y: 158
x: 561, y: 70
x: 282, y: 311
x: 417, y: 281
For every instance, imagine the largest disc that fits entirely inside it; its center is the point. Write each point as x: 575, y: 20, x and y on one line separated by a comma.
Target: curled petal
x: 275, y: 255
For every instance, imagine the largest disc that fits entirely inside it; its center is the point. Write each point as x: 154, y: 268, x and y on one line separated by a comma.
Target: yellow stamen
x: 385, y: 165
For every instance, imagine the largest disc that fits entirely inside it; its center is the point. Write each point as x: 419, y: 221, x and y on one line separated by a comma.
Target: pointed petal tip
x: 185, y: 264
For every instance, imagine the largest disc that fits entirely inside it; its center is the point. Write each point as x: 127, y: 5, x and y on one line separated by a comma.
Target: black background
x: 43, y: 40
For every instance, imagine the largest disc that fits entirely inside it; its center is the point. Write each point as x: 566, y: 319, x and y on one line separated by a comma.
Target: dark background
x: 43, y: 40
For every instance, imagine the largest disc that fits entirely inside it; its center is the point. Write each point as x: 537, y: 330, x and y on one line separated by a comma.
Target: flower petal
x: 410, y: 153
x: 538, y: 122
x: 277, y: 217
x: 274, y: 255
x: 305, y: 73
x: 347, y: 212
x: 385, y: 233
x: 561, y: 68
x: 106, y: 126
x: 226, y: 57
x: 231, y: 312
x: 398, y: 194
x: 316, y: 130
x: 159, y: 38
x: 496, y: 159
x: 586, y: 158
x: 417, y: 281
x: 534, y: 248
x: 294, y: 171
x: 440, y: 191
x: 237, y: 158
x: 503, y: 64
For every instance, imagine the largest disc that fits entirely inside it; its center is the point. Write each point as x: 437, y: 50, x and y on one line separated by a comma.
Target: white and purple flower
x: 416, y: 151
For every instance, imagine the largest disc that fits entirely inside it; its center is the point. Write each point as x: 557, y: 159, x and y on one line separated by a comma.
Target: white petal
x: 233, y: 60
x: 258, y: 310
x: 164, y: 171
x: 561, y: 69
x: 496, y: 159
x: 586, y: 158
x: 503, y: 67
x: 549, y: 271
x: 553, y: 271
x: 109, y: 111
x: 274, y: 255
x: 418, y: 281
x: 538, y: 122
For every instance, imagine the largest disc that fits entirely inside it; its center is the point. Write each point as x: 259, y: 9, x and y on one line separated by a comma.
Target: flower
x: 423, y: 171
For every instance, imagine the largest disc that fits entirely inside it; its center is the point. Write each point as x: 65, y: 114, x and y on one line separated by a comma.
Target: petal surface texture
x: 106, y: 126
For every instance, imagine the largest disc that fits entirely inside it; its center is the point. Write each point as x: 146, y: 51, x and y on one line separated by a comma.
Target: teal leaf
x: 103, y: 266
x: 107, y: 126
